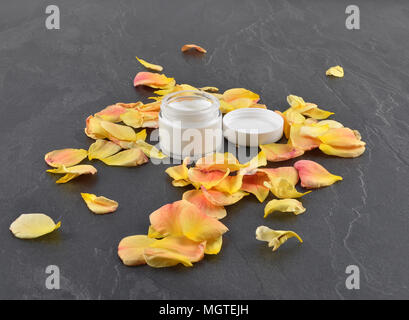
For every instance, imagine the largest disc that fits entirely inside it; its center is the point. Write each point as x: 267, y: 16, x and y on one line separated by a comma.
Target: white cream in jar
x: 190, y: 124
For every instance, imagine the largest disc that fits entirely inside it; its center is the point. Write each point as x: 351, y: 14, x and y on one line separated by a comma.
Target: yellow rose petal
x: 284, y: 205
x: 33, y: 225
x: 148, y: 65
x: 275, y: 238
x: 102, y: 149
x: 65, y: 157
x: 131, y: 249
x: 336, y: 71
x: 99, y: 205
x: 118, y: 131
x: 127, y: 158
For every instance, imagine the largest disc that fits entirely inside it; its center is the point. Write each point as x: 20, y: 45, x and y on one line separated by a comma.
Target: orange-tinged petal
x: 260, y: 160
x: 230, y: 184
x: 102, y: 149
x: 131, y: 249
x: 182, y: 218
x: 314, y: 175
x: 240, y: 93
x: 161, y: 258
x: 73, y: 172
x: 289, y: 173
x: 313, y: 130
x: 222, y: 198
x: 65, y: 157
x: 342, y: 152
x: 275, y: 238
x: 112, y: 113
x: 132, y: 118
x: 118, y: 131
x: 219, y: 161
x: 284, y: 189
x: 280, y: 152
x: 302, y: 142
x: 208, y: 179
x: 214, y: 246
x: 148, y: 65
x: 179, y: 172
x: 205, y: 206
x: 99, y: 205
x: 336, y: 71
x: 153, y: 80
x: 187, y: 47
x: 192, y: 250
x: 254, y: 184
x: 341, y: 137
x: 33, y: 225
x: 93, y: 128
x: 127, y: 158
x: 284, y: 205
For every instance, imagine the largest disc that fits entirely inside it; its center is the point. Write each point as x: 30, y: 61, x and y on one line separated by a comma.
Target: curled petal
x: 298, y: 104
x: 288, y: 173
x: 149, y: 107
x: 33, y: 225
x: 208, y: 179
x: 214, y: 246
x: 187, y: 47
x: 132, y: 118
x: 148, y: 65
x: 118, y: 131
x: 336, y: 71
x: 284, y: 205
x: 317, y: 113
x: 127, y: 158
x: 291, y: 117
x: 65, y: 157
x: 275, y: 238
x: 131, y: 249
x: 112, y: 113
x: 99, y: 205
x: 180, y: 183
x: 204, y: 205
x: 341, y: 137
x: 284, y: 189
x: 254, y: 184
x: 179, y: 172
x: 342, y: 152
x: 209, y: 89
x: 313, y: 175
x: 182, y: 218
x: 230, y: 184
x: 102, y: 149
x: 94, y: 129
x: 219, y: 161
x: 299, y: 141
x: 153, y: 80
x: 73, y: 172
x: 280, y: 152
x: 260, y: 160
x: 222, y: 198
x: 149, y: 150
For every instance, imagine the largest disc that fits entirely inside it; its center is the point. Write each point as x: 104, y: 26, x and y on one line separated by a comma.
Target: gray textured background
x: 50, y: 81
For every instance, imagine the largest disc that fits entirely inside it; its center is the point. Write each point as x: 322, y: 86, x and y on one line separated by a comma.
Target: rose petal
x: 99, y: 205
x: 291, y: 117
x: 102, y: 149
x: 208, y: 179
x: 298, y: 104
x: 280, y: 152
x: 131, y: 249
x: 182, y: 218
x: 284, y: 189
x: 179, y: 172
x: 148, y: 65
x: 132, y: 118
x: 192, y: 250
x: 255, y: 184
x: 301, y: 142
x: 258, y: 161
x: 317, y: 113
x: 214, y: 246
x: 118, y: 131
x: 284, y: 205
x: 33, y: 225
x: 222, y: 198
x: 313, y: 130
x: 93, y: 128
x: 65, y: 157
x: 153, y: 80
x: 288, y: 173
x: 154, y: 106
x: 187, y: 47
x: 219, y: 161
x: 149, y: 150
x: 332, y: 124
x: 275, y: 238
x: 240, y: 93
x: 209, y: 89
x: 127, y: 158
x: 230, y: 184
x: 336, y: 71
x: 73, y: 172
x: 341, y: 137
x: 342, y: 152
x: 204, y: 205
x: 161, y: 258
x: 313, y: 175
x: 112, y: 113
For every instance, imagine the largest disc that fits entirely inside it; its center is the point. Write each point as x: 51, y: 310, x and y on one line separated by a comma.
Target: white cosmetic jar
x: 190, y: 124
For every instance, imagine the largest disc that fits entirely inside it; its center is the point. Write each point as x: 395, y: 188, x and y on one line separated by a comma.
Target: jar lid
x: 252, y: 126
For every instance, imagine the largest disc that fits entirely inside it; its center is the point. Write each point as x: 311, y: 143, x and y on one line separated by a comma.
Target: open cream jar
x: 190, y: 124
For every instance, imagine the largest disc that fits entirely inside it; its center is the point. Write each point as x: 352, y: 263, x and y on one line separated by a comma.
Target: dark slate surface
x: 51, y: 80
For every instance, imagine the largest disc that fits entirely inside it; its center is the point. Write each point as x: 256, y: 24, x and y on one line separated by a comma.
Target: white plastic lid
x: 252, y: 126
